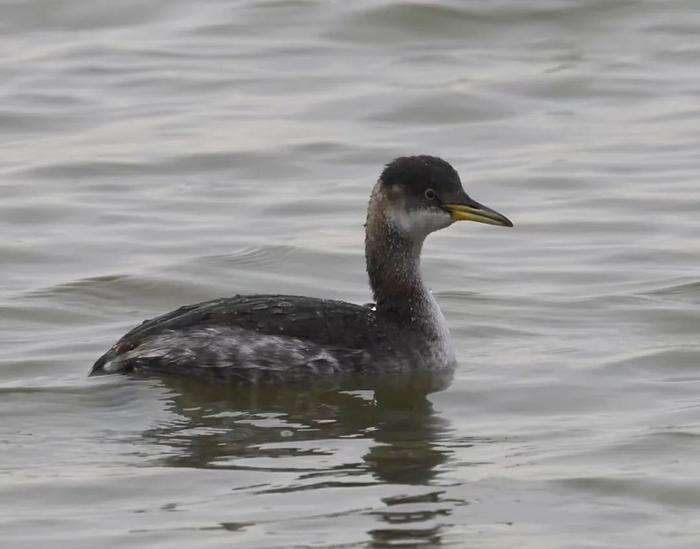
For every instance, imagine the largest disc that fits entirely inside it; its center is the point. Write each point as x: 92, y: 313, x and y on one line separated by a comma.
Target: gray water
x: 166, y: 152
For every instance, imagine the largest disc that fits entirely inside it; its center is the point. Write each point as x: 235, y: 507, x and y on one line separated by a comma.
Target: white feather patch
x: 417, y: 224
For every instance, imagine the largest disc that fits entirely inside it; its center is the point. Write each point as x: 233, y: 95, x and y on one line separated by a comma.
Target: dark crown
x: 420, y: 172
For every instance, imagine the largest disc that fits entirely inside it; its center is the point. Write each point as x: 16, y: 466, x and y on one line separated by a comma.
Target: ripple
x: 671, y: 493
x: 442, y: 108
x: 166, y: 153
x: 254, y: 256
x: 34, y: 121
x: 33, y: 15
x: 688, y: 292
x: 242, y: 163
x: 670, y: 365
x: 444, y: 22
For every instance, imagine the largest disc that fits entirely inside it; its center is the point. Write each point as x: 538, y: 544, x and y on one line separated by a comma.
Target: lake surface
x: 166, y: 152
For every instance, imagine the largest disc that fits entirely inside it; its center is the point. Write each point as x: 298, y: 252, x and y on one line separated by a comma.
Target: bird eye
x: 430, y: 194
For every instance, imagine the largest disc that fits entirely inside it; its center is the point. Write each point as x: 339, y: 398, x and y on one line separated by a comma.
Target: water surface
x: 162, y: 153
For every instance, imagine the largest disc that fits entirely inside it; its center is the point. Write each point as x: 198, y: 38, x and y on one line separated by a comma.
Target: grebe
x: 295, y: 339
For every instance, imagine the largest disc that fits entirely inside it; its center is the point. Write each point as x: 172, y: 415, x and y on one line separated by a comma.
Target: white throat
x: 419, y: 223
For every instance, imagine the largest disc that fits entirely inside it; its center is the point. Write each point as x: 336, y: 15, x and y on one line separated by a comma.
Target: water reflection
x: 217, y: 426
x: 309, y: 434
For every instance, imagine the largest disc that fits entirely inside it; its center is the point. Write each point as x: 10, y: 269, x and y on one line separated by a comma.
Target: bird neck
x: 393, y: 262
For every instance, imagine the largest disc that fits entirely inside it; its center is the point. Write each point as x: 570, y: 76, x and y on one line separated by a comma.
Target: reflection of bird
x: 277, y: 338
x: 218, y: 425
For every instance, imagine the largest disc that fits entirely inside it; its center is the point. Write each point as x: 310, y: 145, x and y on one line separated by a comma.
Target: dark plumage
x: 323, y: 337
x: 419, y: 172
x: 294, y: 339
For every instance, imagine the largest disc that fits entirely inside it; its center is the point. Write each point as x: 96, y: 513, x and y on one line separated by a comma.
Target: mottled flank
x: 271, y: 338
x: 234, y: 354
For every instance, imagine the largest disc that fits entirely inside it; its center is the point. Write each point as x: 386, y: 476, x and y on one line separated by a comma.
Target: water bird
x: 257, y: 339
